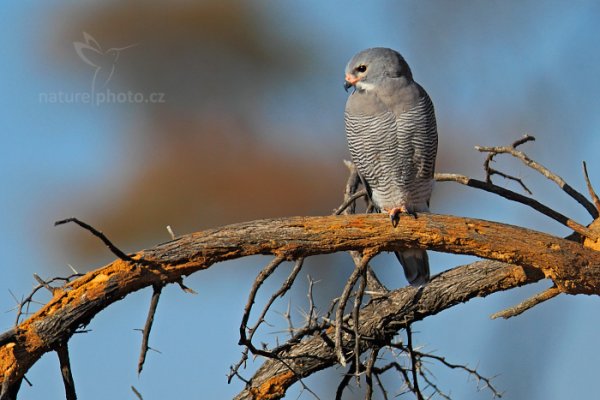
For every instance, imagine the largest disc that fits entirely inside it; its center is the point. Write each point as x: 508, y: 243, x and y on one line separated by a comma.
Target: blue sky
x: 495, y: 70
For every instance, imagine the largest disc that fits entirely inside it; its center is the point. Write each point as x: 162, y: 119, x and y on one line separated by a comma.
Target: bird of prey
x: 392, y: 136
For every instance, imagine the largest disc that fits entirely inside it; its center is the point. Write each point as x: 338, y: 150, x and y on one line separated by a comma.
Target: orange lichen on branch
x: 574, y: 268
x: 274, y: 388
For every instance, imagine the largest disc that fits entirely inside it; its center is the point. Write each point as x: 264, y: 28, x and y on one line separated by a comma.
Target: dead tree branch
x: 510, y: 195
x: 156, y: 290
x: 512, y: 150
x: 383, y: 317
x: 114, y: 249
x: 591, y: 190
x: 62, y: 350
x: 527, y: 304
x: 573, y: 268
x: 522, y: 256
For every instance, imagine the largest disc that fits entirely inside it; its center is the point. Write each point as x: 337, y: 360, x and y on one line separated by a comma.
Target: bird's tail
x: 416, y: 266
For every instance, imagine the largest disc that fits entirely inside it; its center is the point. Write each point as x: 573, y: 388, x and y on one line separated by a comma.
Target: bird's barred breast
x: 396, y: 154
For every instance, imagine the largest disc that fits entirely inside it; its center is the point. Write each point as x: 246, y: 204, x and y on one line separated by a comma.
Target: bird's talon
x: 395, y: 218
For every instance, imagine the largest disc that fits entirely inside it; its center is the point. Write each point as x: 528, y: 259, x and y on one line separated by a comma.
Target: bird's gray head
x: 371, y: 67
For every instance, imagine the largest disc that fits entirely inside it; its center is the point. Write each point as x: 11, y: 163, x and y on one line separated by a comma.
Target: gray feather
x: 416, y: 266
x: 392, y: 137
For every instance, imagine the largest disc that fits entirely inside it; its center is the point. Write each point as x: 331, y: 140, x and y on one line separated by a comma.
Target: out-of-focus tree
x: 204, y: 156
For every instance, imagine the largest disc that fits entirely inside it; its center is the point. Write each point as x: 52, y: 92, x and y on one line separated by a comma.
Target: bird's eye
x: 361, y: 68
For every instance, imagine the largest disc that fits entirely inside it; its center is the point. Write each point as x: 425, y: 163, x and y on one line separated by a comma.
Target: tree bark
x: 573, y: 268
x: 382, y: 318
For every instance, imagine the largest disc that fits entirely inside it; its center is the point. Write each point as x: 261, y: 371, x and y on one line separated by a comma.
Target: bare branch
x: 487, y: 382
x: 574, y: 269
x: 185, y: 288
x: 527, y: 304
x: 44, y: 284
x: 323, y: 342
x: 339, y: 314
x: 156, y: 290
x: 137, y: 394
x: 246, y: 339
x: 510, y: 195
x: 25, y: 302
x: 489, y: 171
x: 8, y: 336
x: 415, y: 364
x: 345, y: 381
x: 350, y: 201
x: 114, y: 249
x: 62, y: 351
x: 369, y: 372
x: 591, y: 190
x: 541, y: 169
x: 383, y: 318
x: 312, y: 313
x: 435, y: 388
x: 374, y: 286
x: 285, y: 286
x: 358, y: 299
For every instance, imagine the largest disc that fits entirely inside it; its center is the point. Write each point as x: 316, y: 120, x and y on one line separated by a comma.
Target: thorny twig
x: 288, y: 317
x: 311, y: 317
x: 415, y: 363
x: 352, y: 371
x: 185, y: 288
x: 395, y: 365
x: 419, y: 355
x: 366, y: 278
x: 114, y: 249
x: 247, y: 333
x: 381, y: 387
x: 156, y: 291
x: 432, y: 385
x: 246, y: 339
x: 339, y: 314
x: 369, y: 372
x: 348, y: 206
x: 374, y: 286
x: 358, y: 299
x: 287, y: 284
x: 473, y: 372
x: 340, y: 322
x: 24, y: 303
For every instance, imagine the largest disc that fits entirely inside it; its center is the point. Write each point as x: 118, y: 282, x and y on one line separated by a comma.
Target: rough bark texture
x: 574, y: 268
x: 383, y: 317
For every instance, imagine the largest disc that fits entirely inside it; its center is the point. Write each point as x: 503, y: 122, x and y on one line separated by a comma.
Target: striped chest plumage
x: 395, y: 154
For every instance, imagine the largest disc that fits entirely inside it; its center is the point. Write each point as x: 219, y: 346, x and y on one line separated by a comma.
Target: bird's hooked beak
x: 350, y: 81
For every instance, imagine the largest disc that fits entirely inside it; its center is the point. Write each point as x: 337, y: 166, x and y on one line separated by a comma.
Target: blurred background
x: 213, y: 112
